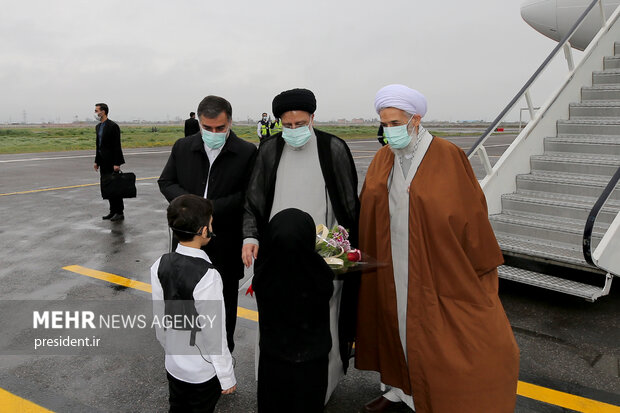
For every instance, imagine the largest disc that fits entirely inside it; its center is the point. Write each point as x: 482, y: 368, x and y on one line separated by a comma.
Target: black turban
x: 294, y: 99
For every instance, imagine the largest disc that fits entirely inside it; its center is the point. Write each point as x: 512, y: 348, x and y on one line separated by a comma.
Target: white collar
x: 192, y: 252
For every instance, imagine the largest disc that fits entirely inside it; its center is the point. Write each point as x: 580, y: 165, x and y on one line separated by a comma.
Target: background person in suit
x: 191, y: 125
x: 215, y: 164
x: 109, y: 155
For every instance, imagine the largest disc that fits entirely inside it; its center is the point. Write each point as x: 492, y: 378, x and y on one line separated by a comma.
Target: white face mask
x: 97, y: 116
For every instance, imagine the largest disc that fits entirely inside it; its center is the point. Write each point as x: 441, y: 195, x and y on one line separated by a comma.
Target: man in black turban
x: 313, y: 171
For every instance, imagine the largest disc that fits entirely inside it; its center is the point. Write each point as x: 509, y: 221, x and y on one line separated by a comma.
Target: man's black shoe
x: 110, y: 215
x: 117, y: 217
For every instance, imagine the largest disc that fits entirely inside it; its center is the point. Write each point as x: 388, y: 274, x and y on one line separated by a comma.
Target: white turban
x: 401, y: 97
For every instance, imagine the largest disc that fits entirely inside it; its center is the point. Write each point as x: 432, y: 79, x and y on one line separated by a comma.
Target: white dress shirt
x: 212, y: 155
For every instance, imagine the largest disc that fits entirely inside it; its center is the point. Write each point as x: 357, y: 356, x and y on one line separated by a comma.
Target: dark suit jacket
x: 187, y: 172
x: 191, y: 126
x: 109, y: 152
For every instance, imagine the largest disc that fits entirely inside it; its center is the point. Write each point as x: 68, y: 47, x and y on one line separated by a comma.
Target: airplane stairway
x: 540, y: 227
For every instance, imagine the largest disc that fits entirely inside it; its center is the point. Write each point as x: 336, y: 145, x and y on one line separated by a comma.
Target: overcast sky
x: 156, y: 60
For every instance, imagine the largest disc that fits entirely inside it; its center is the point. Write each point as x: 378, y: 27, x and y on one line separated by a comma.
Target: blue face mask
x: 296, y: 137
x: 214, y: 140
x: 397, y: 136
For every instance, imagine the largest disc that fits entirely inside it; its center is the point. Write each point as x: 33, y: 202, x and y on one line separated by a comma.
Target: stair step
x: 597, y: 103
x: 585, y: 144
x: 605, y: 77
x: 611, y: 62
x: 587, y: 291
x: 575, y: 208
x: 595, y: 110
x: 600, y: 92
x: 577, y: 163
x: 565, y: 183
x: 546, y: 228
x: 559, y: 254
x: 589, y: 127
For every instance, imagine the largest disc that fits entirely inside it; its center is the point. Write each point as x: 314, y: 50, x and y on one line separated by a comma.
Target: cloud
x: 156, y: 59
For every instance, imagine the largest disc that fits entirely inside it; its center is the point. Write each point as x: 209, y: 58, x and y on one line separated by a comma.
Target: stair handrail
x: 587, y: 231
x: 524, y: 90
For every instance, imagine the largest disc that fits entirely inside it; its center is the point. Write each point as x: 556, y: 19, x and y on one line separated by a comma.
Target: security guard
x: 276, y: 126
x: 263, y: 127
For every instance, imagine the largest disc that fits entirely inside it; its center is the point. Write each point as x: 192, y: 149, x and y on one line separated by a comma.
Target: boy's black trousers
x: 193, y: 398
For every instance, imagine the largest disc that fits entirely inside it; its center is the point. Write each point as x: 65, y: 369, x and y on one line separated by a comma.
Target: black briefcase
x: 118, y: 185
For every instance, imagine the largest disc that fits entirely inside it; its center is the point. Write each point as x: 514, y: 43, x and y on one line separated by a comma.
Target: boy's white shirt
x: 192, y: 368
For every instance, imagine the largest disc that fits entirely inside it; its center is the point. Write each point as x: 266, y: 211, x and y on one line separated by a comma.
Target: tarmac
x: 51, y: 209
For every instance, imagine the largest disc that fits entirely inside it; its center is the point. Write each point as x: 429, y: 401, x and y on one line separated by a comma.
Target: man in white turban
x: 430, y: 322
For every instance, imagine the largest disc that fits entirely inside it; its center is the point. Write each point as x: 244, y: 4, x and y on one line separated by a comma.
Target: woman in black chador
x: 293, y: 285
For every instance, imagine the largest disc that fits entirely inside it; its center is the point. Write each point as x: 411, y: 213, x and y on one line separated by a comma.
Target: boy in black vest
x: 190, y: 286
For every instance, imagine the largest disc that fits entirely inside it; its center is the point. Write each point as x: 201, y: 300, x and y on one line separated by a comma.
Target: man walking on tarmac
x: 215, y: 164
x: 263, y: 128
x: 313, y: 171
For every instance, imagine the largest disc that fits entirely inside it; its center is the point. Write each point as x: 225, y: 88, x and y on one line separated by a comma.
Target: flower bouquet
x: 334, y: 246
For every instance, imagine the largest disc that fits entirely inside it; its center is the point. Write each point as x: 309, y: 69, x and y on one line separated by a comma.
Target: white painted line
x: 53, y: 158
x: 356, y: 141
x: 77, y: 156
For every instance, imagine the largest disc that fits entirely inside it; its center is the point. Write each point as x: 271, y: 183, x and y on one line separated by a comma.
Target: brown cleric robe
x: 461, y: 353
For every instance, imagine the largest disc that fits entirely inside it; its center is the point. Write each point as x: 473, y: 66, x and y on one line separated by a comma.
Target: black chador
x: 293, y: 286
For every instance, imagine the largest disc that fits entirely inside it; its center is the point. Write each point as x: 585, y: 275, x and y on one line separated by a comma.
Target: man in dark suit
x: 191, y: 125
x: 215, y: 164
x: 109, y: 156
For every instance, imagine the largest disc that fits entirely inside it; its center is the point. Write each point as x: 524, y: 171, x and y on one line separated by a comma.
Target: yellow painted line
x: 32, y: 191
x: 139, y: 285
x: 566, y: 400
x: 111, y: 278
x: 531, y: 391
x: 46, y: 189
x: 247, y: 314
x: 11, y: 403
